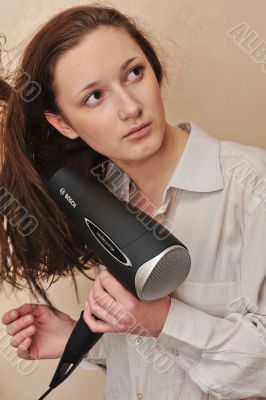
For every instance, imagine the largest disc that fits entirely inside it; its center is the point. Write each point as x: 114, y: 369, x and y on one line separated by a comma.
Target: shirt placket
x: 138, y: 368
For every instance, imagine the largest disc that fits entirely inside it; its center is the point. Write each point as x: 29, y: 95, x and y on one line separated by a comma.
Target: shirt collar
x: 198, y: 169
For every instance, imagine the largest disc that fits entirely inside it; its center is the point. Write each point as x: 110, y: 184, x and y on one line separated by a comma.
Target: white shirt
x: 213, y: 343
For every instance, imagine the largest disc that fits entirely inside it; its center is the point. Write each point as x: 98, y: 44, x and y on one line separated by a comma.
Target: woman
x: 212, y: 326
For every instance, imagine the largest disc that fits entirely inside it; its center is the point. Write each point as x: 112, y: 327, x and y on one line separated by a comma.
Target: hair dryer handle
x: 81, y: 340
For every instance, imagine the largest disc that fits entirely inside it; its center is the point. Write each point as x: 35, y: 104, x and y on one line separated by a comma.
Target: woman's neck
x: 151, y: 177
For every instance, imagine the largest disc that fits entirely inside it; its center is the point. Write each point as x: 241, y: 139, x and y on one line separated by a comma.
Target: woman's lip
x: 135, y: 130
x: 141, y: 132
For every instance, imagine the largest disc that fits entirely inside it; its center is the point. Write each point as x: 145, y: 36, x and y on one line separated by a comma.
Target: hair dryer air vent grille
x: 165, y: 273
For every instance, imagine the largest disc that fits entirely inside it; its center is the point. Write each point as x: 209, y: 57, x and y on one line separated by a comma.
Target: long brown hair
x: 37, y: 240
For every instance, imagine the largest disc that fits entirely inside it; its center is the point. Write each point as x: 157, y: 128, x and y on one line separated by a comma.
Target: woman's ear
x: 60, y: 125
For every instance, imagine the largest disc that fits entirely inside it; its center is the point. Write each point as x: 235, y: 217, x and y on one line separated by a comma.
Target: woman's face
x: 122, y: 99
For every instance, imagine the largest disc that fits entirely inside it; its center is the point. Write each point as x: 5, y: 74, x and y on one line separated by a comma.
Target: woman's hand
x: 120, y: 311
x: 37, y: 331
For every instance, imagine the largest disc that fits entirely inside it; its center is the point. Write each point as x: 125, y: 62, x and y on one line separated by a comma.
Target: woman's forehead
x: 104, y: 43
x: 99, y: 54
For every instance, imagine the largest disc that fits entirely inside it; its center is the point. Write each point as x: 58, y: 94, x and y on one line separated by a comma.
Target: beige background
x: 213, y: 82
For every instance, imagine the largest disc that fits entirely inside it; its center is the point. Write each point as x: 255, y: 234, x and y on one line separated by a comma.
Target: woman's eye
x: 86, y: 101
x: 137, y: 68
x: 96, y: 95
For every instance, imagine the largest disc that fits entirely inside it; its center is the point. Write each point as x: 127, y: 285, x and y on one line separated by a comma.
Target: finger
x: 112, y: 316
x: 14, y: 327
x: 95, y: 308
x: 94, y: 324
x: 20, y: 337
x: 117, y: 314
x: 11, y: 315
x: 115, y: 288
x: 23, y: 350
x: 102, y: 297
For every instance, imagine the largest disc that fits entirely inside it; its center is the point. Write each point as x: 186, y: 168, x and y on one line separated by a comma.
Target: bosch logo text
x: 67, y: 197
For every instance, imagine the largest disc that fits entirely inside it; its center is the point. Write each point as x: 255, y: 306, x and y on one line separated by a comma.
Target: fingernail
x: 13, y: 314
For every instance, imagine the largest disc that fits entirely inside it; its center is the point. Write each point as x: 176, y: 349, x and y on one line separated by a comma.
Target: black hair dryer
x: 136, y: 249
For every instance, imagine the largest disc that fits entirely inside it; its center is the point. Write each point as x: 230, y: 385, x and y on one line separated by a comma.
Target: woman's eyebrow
x: 122, y: 68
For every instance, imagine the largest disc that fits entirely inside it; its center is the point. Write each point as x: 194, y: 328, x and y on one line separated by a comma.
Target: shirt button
x: 175, y: 352
x: 139, y: 396
x: 139, y: 340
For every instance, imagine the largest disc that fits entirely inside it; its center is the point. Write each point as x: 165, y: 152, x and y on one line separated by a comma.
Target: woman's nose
x: 129, y: 107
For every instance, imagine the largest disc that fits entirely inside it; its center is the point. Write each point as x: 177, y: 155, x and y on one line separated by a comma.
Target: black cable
x: 46, y: 393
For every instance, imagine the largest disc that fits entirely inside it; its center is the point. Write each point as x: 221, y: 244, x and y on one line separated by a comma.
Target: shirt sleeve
x: 226, y: 357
